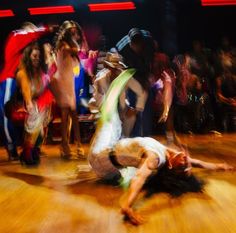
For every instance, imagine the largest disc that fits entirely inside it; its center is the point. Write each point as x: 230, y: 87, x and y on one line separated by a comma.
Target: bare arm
x: 24, y: 83
x: 167, y: 96
x: 136, y: 185
x: 130, y: 113
x: 100, y: 87
x: 211, y: 166
x: 72, y: 50
x: 141, y: 94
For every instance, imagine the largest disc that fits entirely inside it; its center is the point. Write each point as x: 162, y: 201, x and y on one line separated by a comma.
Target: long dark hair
x: 26, y: 62
x: 166, y: 180
x: 64, y: 35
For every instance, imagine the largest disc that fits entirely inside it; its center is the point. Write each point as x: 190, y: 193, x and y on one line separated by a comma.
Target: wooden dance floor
x: 65, y: 196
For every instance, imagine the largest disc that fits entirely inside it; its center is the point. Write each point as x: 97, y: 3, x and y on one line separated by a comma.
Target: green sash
x: 109, y: 106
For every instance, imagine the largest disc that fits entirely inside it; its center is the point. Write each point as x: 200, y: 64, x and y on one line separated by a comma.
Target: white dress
x: 105, y: 138
x: 63, y: 82
x: 109, y: 129
x: 128, y: 152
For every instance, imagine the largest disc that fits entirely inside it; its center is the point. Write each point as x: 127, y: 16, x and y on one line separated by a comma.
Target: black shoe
x: 12, y: 154
x: 28, y: 157
x: 36, y: 154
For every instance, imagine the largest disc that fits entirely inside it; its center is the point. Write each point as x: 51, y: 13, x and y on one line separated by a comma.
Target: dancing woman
x: 16, y: 42
x: 32, y: 80
x: 68, y: 44
x: 108, y: 153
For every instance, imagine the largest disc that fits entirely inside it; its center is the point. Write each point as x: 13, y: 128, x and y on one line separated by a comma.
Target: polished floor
x: 65, y: 196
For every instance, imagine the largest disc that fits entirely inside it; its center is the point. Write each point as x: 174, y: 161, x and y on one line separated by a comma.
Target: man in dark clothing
x: 137, y: 49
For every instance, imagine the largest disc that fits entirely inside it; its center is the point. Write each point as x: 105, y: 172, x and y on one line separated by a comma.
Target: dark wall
x: 174, y: 27
x: 208, y: 24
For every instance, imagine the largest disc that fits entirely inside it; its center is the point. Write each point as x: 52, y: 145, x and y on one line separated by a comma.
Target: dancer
x: 14, y: 46
x: 68, y: 44
x: 137, y: 49
x: 113, y: 66
x: 108, y: 154
x: 32, y: 80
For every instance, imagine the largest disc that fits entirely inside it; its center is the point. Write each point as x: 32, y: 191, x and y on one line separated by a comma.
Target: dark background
x: 173, y: 23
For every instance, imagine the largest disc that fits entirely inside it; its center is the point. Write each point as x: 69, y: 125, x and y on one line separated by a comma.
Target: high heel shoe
x: 27, y: 157
x: 65, y: 152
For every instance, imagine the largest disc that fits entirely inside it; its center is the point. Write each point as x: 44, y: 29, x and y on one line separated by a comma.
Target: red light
x: 51, y: 10
x: 112, y: 6
x: 218, y: 2
x: 6, y: 13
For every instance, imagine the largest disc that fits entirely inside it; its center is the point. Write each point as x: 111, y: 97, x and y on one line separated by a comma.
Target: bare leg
x: 76, y: 130
x: 65, y: 148
x: 128, y: 122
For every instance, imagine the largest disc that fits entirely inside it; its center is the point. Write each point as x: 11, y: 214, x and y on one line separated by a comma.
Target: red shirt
x: 15, y: 44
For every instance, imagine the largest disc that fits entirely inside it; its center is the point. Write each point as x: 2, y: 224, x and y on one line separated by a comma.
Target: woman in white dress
x: 108, y: 153
x: 68, y: 44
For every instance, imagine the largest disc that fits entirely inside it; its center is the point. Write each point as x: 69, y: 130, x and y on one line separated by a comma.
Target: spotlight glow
x: 112, y: 6
x: 51, y: 10
x: 218, y: 2
x: 6, y: 13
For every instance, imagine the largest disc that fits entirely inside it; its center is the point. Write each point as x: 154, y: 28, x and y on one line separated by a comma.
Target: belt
x: 114, y: 161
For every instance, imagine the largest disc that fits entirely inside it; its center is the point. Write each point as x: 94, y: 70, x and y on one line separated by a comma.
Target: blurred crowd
x: 44, y: 79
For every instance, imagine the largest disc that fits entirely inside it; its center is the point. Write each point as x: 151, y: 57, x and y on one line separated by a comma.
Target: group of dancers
x: 33, y: 77
x: 111, y: 148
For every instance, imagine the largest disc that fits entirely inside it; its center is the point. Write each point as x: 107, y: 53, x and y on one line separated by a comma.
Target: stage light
x: 6, y: 13
x: 112, y: 6
x: 218, y: 2
x: 51, y: 10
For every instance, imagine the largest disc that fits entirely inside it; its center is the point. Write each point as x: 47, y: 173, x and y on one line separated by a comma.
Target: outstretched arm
x: 135, y: 187
x: 211, y: 166
x: 167, y: 96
